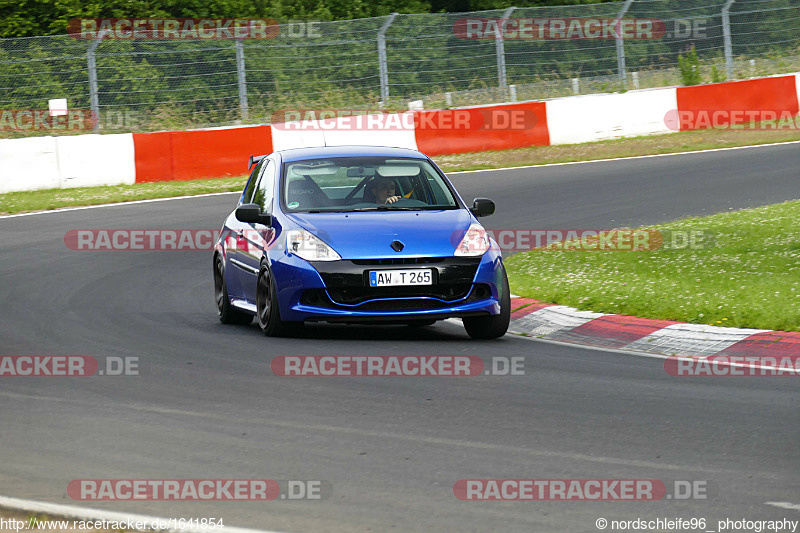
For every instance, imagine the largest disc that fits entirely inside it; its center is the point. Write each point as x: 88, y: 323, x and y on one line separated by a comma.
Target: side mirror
x: 251, y: 214
x: 482, y: 207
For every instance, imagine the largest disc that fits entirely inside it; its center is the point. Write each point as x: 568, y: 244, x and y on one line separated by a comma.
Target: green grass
x: 20, y: 202
x: 749, y: 278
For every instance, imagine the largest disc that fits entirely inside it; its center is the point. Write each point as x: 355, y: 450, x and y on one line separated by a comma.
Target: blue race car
x: 357, y: 234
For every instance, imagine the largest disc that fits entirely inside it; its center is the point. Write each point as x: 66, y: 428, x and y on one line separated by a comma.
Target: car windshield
x: 364, y: 184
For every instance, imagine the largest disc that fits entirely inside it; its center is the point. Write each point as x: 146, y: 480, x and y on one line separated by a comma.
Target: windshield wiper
x: 386, y: 208
x: 324, y: 211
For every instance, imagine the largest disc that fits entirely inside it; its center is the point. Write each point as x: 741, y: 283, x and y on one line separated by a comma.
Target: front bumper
x: 338, y: 291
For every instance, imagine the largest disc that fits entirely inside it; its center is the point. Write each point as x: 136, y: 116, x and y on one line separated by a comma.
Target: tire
x: 494, y: 326
x: 226, y: 312
x: 268, y: 313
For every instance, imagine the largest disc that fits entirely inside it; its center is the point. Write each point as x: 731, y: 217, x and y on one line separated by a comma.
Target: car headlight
x: 474, y: 243
x: 309, y: 247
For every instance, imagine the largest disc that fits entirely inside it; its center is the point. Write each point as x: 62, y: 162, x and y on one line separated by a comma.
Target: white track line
x: 785, y: 505
x: 117, y: 204
x: 83, y: 513
x: 67, y: 209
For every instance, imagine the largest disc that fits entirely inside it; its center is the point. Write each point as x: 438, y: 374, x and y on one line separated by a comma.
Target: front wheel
x: 226, y: 312
x: 268, y: 313
x: 494, y: 326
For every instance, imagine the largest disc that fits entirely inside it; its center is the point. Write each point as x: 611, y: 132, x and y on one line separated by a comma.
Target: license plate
x: 389, y: 278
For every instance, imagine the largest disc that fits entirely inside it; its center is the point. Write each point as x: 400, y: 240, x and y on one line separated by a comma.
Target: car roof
x: 298, y: 154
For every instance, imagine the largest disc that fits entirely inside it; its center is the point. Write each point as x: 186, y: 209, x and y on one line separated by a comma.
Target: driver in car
x: 381, y: 191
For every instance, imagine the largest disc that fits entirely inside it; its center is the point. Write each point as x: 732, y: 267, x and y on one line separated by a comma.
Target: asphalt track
x: 208, y: 406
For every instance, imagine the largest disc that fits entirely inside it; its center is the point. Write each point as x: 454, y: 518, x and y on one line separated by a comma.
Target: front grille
x: 355, y: 273
x: 399, y: 305
x: 347, y: 282
x: 354, y: 295
x: 395, y: 302
x: 399, y: 261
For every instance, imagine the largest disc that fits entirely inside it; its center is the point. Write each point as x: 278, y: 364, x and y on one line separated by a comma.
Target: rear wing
x: 254, y: 160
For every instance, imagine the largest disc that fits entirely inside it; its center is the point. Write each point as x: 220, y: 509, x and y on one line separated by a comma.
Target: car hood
x: 369, y: 235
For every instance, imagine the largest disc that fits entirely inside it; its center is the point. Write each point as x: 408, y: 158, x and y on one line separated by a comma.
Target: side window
x: 251, y: 183
x: 266, y: 187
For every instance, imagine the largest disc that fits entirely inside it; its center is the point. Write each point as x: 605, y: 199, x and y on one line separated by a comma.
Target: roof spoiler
x: 254, y: 160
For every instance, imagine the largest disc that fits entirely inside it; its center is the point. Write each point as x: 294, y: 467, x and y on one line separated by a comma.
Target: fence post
x: 242, y: 79
x: 383, y: 67
x: 500, y: 50
x: 726, y: 37
x: 620, y: 44
x: 94, y: 101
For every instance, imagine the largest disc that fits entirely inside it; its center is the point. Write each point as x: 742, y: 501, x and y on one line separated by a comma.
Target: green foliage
x: 181, y: 84
x: 717, y: 76
x: 689, y: 65
x: 23, y: 18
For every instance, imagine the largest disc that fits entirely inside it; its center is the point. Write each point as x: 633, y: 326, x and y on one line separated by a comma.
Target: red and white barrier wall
x: 595, y: 117
x: 84, y: 160
x: 194, y: 154
x: 68, y: 161
x: 775, y: 94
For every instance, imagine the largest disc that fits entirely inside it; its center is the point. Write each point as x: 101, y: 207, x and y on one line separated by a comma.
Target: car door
x: 233, y: 234
x: 254, y: 238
